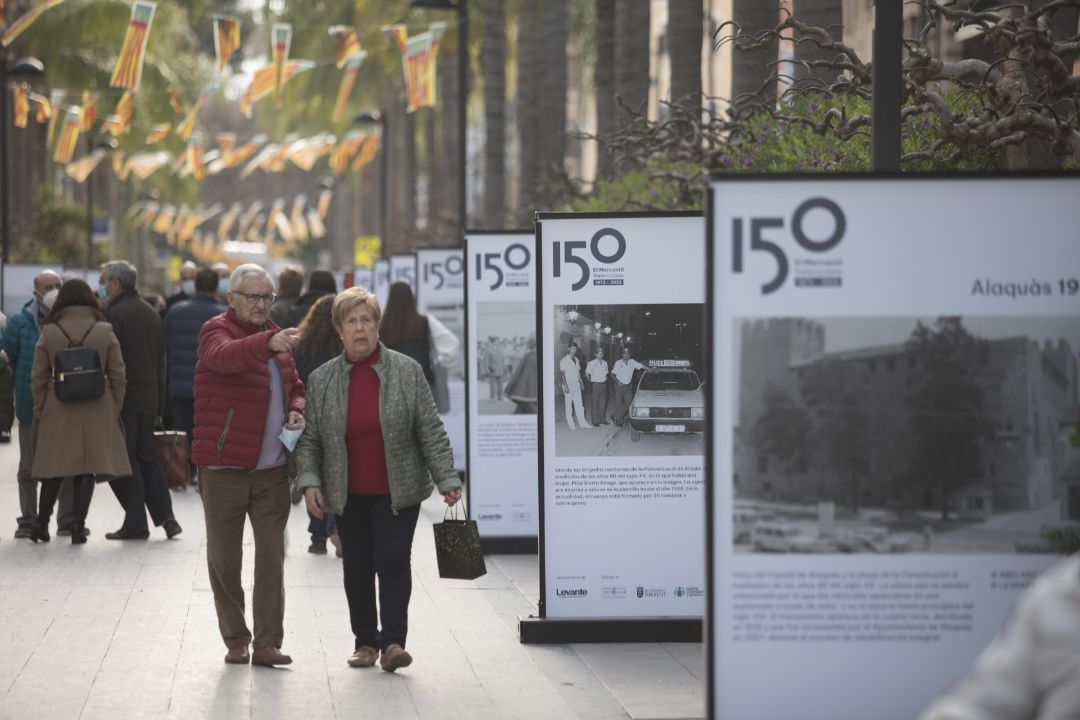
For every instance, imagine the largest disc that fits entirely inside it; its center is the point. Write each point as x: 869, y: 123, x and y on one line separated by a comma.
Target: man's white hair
x: 245, y: 271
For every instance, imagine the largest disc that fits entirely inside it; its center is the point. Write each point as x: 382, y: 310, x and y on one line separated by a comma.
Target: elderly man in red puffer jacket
x: 248, y: 399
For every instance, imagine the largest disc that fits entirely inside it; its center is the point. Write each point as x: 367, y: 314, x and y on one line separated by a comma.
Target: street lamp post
x: 107, y: 144
x: 24, y: 68
x: 463, y: 87
x: 369, y: 118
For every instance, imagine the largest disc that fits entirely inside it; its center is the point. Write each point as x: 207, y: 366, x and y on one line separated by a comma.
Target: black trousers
x: 82, y: 490
x: 146, y: 486
x: 375, y: 541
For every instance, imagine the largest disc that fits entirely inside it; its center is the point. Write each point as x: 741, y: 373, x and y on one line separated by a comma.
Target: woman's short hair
x: 245, y: 271
x: 351, y: 298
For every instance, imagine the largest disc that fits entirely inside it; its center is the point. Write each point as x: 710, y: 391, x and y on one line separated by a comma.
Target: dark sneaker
x: 122, y: 534
x: 172, y: 528
x: 317, y: 547
x: 24, y: 531
x: 66, y: 531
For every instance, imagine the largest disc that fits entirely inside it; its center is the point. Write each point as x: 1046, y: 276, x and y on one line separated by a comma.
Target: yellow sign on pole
x: 366, y: 250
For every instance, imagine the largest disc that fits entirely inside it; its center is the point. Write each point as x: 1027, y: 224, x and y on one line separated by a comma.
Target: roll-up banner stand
x: 364, y: 277
x: 403, y: 269
x: 892, y: 379
x: 622, y: 367
x: 501, y: 387
x: 382, y: 281
x: 440, y: 293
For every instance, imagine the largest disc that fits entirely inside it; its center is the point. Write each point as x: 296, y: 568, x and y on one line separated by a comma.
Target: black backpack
x: 77, y: 373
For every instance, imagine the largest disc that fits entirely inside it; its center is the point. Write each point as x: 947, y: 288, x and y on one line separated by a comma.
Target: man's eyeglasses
x: 256, y: 297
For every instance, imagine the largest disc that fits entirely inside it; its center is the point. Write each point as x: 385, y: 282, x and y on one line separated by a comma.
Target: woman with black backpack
x: 78, y: 384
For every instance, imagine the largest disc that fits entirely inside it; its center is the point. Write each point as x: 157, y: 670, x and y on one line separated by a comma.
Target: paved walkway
x: 124, y: 630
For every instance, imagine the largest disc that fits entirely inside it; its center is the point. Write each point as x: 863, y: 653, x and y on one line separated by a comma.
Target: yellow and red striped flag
x: 226, y: 142
x: 174, y: 99
x: 296, y: 219
x: 437, y: 31
x: 246, y: 150
x: 324, y: 202
x: 89, y: 110
x: 69, y: 135
x: 128, y: 72
x: 347, y: 43
x: 17, y: 28
x: 21, y: 103
x: 367, y: 153
x: 277, y: 220
x: 120, y: 121
x: 256, y: 228
x: 418, y: 62
x: 281, y: 38
x: 315, y: 224
x: 158, y: 132
x: 164, y: 219
x: 81, y: 168
x: 348, y: 80
x: 225, y: 224
x: 226, y: 39
x: 398, y: 34
x: 42, y: 108
x: 149, y: 212
x: 146, y: 164
x: 183, y: 130
x: 195, y: 157
x: 344, y: 150
x: 263, y: 82
x: 118, y: 166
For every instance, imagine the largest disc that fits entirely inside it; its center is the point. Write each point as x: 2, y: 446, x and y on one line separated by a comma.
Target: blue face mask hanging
x: 289, y: 438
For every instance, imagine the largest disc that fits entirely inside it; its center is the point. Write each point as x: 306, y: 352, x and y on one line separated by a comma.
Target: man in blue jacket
x: 183, y: 322
x: 19, y: 340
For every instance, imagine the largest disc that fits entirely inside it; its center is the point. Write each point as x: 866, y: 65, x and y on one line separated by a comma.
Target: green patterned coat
x: 417, y: 447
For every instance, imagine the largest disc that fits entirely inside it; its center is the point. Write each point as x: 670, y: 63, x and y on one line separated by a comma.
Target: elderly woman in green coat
x: 371, y: 452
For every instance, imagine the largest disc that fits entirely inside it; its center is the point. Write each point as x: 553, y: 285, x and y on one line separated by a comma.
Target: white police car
x: 669, y: 399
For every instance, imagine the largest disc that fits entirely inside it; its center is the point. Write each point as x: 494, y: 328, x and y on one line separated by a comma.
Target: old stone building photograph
x: 945, y: 435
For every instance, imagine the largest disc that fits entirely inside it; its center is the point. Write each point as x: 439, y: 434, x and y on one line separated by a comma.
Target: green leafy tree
x: 946, y: 419
x: 58, y: 233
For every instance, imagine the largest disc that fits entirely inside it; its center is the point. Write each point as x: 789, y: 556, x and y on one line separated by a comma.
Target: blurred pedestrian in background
x: 182, y: 325
x: 319, y: 343
x: 142, y: 341
x: 188, y: 271
x: 81, y: 439
x: 290, y: 283
x: 522, y: 386
x: 19, y: 340
x: 320, y: 283
x: 421, y: 337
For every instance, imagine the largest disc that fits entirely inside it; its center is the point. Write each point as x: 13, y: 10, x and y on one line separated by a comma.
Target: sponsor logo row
x: 622, y: 592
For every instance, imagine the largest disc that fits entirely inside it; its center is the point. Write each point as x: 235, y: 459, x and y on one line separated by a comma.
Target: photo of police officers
x: 628, y: 380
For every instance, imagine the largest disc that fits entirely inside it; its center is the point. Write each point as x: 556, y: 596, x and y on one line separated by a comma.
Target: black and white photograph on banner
x: 505, y: 357
x: 905, y: 435
x: 629, y: 380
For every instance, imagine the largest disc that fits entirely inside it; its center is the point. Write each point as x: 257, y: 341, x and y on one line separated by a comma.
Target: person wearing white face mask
x: 187, y: 286
x: 19, y: 340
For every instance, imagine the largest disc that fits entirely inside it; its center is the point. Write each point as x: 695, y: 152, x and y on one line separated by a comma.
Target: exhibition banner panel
x: 382, y: 281
x: 403, y: 269
x: 364, y: 277
x: 502, y: 383
x: 622, y: 372
x: 440, y: 293
x: 889, y: 453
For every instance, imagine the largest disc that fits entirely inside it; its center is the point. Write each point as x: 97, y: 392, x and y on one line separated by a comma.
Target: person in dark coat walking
x: 20, y: 338
x: 182, y: 325
x: 187, y: 285
x: 290, y: 283
x: 142, y: 342
x: 320, y: 282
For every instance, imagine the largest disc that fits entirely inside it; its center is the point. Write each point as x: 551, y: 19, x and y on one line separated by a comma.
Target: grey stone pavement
x: 127, y: 630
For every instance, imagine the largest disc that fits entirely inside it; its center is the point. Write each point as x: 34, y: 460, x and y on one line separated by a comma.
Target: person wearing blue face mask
x: 223, y: 274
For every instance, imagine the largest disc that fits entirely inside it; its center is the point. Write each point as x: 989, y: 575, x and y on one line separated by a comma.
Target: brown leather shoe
x: 238, y: 655
x: 363, y: 657
x: 394, y: 657
x: 269, y: 657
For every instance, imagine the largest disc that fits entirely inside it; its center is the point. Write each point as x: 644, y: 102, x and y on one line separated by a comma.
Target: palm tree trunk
x: 751, y: 68
x: 827, y: 15
x: 604, y: 79
x: 450, y: 99
x: 493, y: 62
x: 530, y: 64
x: 435, y: 159
x: 685, y: 31
x: 553, y: 101
x: 632, y: 53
